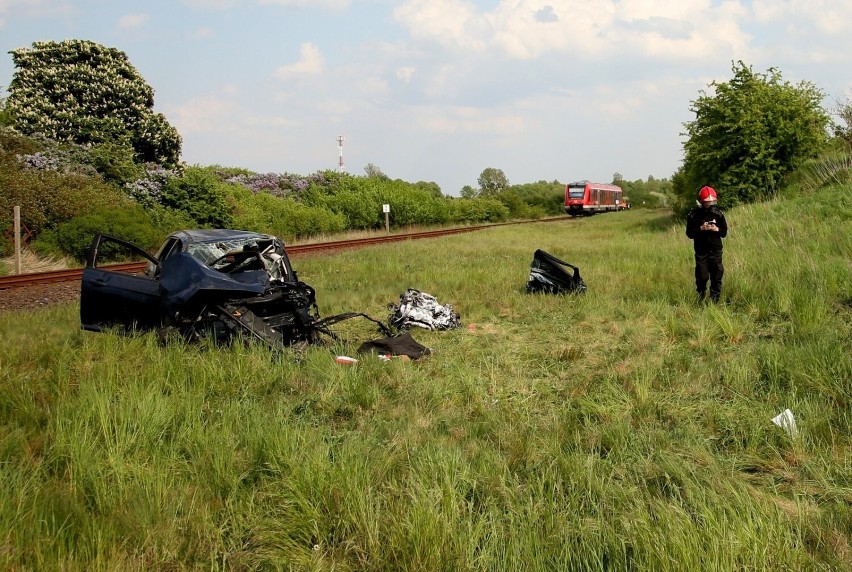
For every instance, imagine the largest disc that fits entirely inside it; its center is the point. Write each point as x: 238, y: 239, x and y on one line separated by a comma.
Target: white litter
x: 786, y: 421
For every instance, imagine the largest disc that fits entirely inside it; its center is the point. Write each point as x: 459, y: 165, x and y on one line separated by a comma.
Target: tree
x: 843, y: 110
x: 749, y: 135
x: 374, y: 171
x: 430, y: 187
x: 80, y: 91
x: 492, y: 182
x: 5, y: 117
x: 468, y: 192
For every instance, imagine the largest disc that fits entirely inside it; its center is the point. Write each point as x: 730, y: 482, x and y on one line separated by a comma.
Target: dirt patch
x: 40, y: 296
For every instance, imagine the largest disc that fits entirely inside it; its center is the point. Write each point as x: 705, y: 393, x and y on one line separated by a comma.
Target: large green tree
x: 748, y: 135
x: 80, y: 91
x: 492, y: 182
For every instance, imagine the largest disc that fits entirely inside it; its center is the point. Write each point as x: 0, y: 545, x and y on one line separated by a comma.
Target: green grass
x: 625, y: 429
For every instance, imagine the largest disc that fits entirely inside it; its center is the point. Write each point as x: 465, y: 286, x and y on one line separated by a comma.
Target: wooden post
x: 386, y: 210
x: 17, y: 214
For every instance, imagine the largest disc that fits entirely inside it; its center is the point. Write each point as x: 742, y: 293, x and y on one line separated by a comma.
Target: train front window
x: 576, y: 192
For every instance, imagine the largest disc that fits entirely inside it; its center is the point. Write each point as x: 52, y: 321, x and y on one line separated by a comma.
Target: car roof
x: 215, y: 235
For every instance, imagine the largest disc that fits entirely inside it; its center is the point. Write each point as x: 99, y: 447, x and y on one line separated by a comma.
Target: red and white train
x: 587, y: 198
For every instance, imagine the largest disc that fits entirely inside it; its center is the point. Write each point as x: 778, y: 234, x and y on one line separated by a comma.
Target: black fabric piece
x: 550, y: 275
x: 400, y: 345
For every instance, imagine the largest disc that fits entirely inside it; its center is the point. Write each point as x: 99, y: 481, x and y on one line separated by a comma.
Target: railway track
x: 71, y: 274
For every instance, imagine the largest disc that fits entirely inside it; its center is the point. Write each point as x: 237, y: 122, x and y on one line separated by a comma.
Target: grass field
x: 625, y: 429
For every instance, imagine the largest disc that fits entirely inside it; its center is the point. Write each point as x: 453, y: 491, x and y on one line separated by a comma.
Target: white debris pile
x: 422, y: 310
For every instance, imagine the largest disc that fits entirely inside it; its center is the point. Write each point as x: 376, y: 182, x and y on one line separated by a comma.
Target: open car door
x: 112, y: 298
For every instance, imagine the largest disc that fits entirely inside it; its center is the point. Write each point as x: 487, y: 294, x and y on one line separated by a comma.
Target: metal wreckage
x: 222, y: 284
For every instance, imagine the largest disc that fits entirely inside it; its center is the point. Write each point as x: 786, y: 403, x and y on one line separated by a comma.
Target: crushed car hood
x: 184, y: 277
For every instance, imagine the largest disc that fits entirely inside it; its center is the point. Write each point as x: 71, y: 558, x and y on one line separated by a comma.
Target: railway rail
x: 71, y: 274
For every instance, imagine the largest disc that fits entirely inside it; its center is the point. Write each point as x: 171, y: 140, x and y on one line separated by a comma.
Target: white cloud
x: 470, y: 120
x: 205, y: 114
x: 132, y: 21
x: 310, y: 63
x: 204, y: 32
x: 405, y: 73
x: 328, y: 4
x: 210, y: 4
x: 454, y: 23
x: 827, y: 16
x: 373, y: 86
x: 224, y: 4
x: 33, y: 8
x: 528, y: 29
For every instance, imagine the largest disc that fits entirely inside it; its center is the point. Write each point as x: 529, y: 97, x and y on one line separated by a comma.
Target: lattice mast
x: 340, y: 166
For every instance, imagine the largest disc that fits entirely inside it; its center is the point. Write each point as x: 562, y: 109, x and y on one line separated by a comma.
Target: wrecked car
x: 215, y: 283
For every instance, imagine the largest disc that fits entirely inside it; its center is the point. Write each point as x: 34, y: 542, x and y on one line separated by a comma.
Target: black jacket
x: 706, y: 240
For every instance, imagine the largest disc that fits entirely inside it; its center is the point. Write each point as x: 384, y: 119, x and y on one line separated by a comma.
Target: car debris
x: 422, y: 310
x: 549, y: 275
x: 216, y: 283
x: 402, y: 345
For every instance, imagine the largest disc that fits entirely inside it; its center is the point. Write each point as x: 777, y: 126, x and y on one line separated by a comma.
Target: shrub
x: 167, y: 221
x: 479, y: 210
x: 200, y: 194
x: 48, y: 198
x: 750, y: 134
x: 116, y: 163
x: 148, y: 189
x: 74, y: 237
x: 283, y: 217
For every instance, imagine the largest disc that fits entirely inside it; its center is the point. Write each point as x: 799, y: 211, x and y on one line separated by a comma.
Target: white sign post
x: 386, y: 210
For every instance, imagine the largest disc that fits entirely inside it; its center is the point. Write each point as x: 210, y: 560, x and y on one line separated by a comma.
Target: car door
x: 110, y: 297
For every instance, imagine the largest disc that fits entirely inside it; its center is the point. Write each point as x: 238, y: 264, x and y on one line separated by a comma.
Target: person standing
x: 706, y: 226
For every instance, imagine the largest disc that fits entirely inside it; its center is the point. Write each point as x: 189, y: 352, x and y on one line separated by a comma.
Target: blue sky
x: 438, y: 90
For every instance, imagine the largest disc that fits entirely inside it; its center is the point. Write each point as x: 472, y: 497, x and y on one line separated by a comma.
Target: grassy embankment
x: 625, y: 429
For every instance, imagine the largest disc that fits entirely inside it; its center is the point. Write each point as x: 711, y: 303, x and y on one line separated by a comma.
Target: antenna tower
x: 340, y: 166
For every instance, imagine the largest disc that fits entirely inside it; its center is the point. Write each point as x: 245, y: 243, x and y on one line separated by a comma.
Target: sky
x: 439, y: 90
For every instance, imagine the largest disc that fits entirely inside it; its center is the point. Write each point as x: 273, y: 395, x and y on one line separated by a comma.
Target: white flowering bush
x: 83, y: 92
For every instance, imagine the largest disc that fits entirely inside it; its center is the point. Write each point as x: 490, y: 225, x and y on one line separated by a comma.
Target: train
x: 587, y: 198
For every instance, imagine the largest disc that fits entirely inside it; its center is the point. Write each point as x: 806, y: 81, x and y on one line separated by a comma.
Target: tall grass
x: 628, y: 428
x: 831, y: 168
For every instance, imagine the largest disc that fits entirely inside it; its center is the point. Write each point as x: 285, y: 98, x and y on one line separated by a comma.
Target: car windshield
x: 216, y: 255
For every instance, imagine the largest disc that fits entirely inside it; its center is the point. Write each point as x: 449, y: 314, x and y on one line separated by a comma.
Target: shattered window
x: 270, y: 253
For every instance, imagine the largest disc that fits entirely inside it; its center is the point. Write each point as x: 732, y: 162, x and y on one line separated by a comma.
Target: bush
x: 167, y: 221
x: 48, y: 198
x: 479, y: 210
x: 7, y: 246
x: 542, y: 197
x: 116, y: 163
x: 74, y: 238
x: 748, y: 136
x: 200, y: 194
x: 283, y: 217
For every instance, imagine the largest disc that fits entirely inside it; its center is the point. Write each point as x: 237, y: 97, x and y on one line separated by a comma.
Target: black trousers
x: 708, y: 266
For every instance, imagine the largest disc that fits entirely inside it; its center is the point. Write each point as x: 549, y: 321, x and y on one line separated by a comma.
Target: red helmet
x: 707, y: 195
